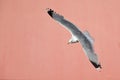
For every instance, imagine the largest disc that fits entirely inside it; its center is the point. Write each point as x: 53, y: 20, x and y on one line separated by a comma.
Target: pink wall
x: 33, y: 46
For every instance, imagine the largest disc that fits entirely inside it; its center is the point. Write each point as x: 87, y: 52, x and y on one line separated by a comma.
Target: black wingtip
x: 96, y: 65
x: 50, y: 12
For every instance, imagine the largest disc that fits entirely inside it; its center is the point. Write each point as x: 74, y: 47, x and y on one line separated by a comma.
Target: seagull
x: 78, y: 36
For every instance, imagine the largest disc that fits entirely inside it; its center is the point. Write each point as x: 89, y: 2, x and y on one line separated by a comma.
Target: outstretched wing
x: 60, y: 19
x: 84, y: 38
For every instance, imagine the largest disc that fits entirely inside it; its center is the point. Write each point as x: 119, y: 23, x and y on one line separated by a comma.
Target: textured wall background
x: 33, y: 46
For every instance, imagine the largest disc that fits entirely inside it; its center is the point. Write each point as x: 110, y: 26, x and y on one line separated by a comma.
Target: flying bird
x: 78, y: 36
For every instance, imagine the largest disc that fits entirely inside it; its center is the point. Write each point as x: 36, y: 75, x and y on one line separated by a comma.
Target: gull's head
x: 72, y: 41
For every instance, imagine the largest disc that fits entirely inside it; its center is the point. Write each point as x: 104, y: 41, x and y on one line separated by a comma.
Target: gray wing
x: 84, y: 39
x: 66, y: 24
